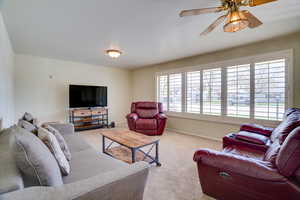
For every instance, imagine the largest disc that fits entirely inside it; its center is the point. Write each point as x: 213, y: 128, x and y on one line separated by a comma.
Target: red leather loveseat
x: 257, y: 163
x: 147, y: 118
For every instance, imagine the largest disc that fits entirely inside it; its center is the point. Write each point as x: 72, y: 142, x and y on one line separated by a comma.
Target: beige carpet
x: 177, y: 178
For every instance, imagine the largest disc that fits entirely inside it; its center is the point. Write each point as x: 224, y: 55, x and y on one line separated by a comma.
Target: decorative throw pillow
x: 51, y: 142
x: 34, y: 159
x: 28, y: 117
x: 62, y: 143
x: 28, y: 126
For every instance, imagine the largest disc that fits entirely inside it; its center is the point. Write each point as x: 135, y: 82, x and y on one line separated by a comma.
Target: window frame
x: 223, y: 118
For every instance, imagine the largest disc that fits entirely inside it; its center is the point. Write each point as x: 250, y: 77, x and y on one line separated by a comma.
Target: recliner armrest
x: 255, y: 128
x: 252, y: 137
x: 133, y: 116
x: 238, y: 164
x: 160, y: 116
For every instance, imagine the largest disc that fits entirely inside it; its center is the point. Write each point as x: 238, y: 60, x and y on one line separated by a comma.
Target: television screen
x: 87, y: 96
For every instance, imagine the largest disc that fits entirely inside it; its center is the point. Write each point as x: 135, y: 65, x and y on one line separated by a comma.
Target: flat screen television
x: 82, y: 96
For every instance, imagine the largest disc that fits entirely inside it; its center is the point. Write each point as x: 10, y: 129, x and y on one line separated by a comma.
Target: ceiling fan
x: 236, y: 20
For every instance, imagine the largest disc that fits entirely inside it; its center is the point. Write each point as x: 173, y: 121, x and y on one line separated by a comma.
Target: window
x: 193, y: 92
x: 175, y: 92
x: 270, y: 90
x: 253, y: 88
x: 212, y: 91
x: 238, y: 91
x: 163, y: 91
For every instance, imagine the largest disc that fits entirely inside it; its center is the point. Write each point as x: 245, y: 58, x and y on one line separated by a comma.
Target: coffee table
x: 130, y: 144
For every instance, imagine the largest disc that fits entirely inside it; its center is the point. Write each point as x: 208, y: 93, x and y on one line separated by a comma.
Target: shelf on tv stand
x: 88, y: 118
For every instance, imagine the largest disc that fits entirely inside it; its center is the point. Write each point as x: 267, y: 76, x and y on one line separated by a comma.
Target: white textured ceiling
x: 147, y: 31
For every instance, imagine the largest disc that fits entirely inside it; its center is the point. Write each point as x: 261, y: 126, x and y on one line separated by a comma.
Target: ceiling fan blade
x: 200, y: 11
x: 253, y: 3
x: 253, y: 21
x: 214, y: 25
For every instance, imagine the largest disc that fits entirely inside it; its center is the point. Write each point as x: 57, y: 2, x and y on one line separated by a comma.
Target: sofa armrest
x: 255, y: 128
x: 238, y: 164
x: 11, y: 178
x: 126, y: 184
x: 133, y: 116
x: 64, y: 129
x: 122, y: 184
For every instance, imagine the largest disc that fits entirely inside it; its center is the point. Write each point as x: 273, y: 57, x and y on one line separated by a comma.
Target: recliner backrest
x: 288, y: 158
x: 281, y: 132
x: 145, y: 109
x: 291, y: 122
x: 290, y: 111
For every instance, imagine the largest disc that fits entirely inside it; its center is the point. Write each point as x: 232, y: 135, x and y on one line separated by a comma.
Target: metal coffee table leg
x: 133, y: 151
x: 157, y: 155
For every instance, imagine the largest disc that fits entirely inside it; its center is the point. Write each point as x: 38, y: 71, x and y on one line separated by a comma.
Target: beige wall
x: 6, y: 78
x: 143, y: 79
x: 42, y: 87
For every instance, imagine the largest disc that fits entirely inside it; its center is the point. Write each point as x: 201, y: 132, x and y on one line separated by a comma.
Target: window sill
x: 222, y: 119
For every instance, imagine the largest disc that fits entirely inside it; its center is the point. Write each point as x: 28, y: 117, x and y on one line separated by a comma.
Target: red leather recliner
x: 147, y: 118
x: 257, y: 163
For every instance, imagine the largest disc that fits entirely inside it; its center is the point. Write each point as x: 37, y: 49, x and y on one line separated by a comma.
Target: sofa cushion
x: 285, y: 127
x: 34, y: 159
x: 76, y: 143
x: 146, y: 124
x: 50, y: 140
x: 288, y: 159
x: 89, y: 163
x: 62, y: 143
x: 252, y: 137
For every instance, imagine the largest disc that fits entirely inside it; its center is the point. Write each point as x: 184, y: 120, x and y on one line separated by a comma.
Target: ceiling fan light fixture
x: 113, y: 53
x: 236, y: 21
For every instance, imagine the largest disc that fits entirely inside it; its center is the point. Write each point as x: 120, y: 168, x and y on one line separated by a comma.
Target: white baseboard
x: 121, y: 125
x: 194, y: 134
x: 1, y: 123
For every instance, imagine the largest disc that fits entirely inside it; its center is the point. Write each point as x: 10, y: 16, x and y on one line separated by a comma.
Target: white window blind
x: 193, y: 93
x: 212, y: 91
x: 163, y: 91
x: 270, y: 86
x: 257, y: 89
x: 175, y: 92
x: 238, y: 91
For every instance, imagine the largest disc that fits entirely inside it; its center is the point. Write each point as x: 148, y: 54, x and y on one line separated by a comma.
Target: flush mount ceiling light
x: 113, y: 53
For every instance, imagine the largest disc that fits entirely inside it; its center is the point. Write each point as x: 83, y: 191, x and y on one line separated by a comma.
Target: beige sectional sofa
x: 93, y: 175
